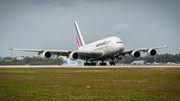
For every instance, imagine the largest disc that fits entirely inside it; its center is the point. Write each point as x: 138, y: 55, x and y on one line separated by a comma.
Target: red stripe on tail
x: 77, y: 41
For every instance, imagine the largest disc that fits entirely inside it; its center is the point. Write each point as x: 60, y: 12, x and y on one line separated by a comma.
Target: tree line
x: 159, y: 58
x: 31, y: 61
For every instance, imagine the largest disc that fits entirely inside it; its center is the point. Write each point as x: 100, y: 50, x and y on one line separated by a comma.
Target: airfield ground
x: 90, y: 83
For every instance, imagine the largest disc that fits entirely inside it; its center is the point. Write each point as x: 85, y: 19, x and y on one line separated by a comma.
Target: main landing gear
x: 102, y: 63
x: 89, y: 64
x: 94, y: 64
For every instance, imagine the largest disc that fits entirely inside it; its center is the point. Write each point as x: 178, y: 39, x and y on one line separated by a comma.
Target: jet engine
x: 135, y: 54
x: 151, y: 52
x: 74, y: 56
x: 46, y: 55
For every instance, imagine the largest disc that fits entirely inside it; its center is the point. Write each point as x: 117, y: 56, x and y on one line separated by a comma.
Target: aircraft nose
x: 121, y: 47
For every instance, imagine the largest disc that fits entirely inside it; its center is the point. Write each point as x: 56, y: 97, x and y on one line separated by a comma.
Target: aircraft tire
x: 86, y: 64
x: 102, y: 64
x: 92, y: 64
x: 112, y: 63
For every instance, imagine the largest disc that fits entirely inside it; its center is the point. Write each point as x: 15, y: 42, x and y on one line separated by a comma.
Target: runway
x: 61, y: 66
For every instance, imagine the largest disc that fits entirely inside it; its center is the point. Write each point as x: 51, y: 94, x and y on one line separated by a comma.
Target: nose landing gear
x: 112, y: 63
x: 112, y: 60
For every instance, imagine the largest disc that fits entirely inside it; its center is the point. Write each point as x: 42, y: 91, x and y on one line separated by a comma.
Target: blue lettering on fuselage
x: 101, y: 44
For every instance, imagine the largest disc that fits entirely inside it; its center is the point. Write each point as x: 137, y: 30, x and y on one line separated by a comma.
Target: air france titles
x: 101, y: 44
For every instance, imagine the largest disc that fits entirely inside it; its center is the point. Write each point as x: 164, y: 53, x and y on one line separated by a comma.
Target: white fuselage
x: 109, y: 46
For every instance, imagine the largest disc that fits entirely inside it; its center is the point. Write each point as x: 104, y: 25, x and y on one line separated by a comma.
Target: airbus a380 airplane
x: 109, y: 48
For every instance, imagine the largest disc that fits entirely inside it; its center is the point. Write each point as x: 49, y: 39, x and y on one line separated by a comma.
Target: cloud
x: 153, y: 26
x: 167, y: 31
x: 55, y: 3
x: 40, y: 20
x: 121, y: 27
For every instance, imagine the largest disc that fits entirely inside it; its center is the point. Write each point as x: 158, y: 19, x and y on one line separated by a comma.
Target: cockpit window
x: 119, y: 42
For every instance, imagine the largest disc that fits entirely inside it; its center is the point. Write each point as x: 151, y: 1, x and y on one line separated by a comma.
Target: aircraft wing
x: 141, y: 49
x: 83, y: 54
x: 40, y: 51
x: 30, y: 50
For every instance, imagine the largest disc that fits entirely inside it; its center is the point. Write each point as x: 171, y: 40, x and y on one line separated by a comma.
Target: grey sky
x: 48, y: 24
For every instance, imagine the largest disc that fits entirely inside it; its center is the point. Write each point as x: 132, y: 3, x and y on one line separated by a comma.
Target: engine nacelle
x: 46, y: 55
x: 135, y: 54
x: 74, y: 56
x: 151, y: 52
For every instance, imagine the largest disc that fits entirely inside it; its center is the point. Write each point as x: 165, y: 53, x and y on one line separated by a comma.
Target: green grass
x: 90, y: 84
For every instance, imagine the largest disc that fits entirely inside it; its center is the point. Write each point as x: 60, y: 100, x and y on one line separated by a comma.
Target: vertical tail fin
x: 79, y: 38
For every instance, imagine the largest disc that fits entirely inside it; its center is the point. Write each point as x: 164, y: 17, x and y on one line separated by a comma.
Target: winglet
x: 166, y: 46
x: 9, y: 48
x: 79, y: 38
